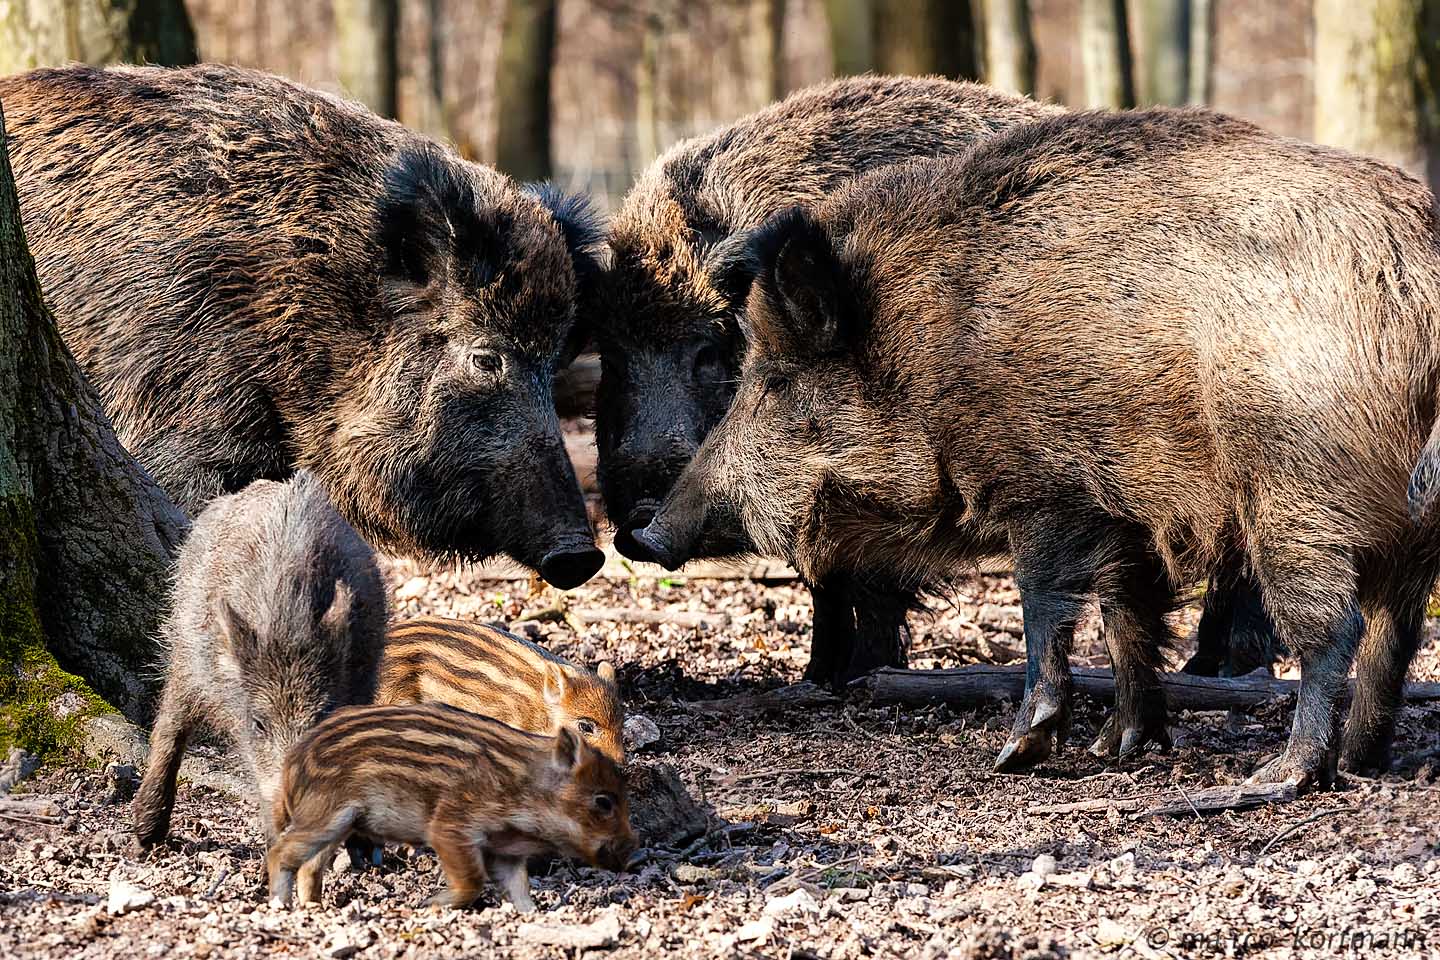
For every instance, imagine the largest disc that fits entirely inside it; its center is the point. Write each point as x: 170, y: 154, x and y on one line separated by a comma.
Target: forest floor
x: 843, y: 831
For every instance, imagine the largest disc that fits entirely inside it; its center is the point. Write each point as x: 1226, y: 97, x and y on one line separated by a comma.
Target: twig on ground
x: 1289, y: 831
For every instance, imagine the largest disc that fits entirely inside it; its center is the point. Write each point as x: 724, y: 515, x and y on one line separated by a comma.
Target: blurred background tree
x: 366, y: 33
x: 1009, y: 46
x: 37, y: 33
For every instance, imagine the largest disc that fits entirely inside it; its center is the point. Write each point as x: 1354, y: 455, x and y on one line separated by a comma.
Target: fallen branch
x: 1289, y: 831
x: 784, y: 698
x: 984, y: 684
x: 1171, y: 802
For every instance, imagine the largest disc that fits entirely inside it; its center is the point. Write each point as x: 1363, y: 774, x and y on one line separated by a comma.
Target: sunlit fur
x: 489, y: 671
x: 1126, y: 348
x: 479, y: 793
x: 277, y: 617
x: 257, y: 277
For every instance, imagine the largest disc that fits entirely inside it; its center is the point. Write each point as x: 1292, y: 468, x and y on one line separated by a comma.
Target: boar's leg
x: 156, y: 797
x: 832, y: 633
x: 1235, y: 636
x: 1393, y: 631
x: 464, y: 869
x: 305, y: 840
x: 1135, y: 595
x: 513, y: 878
x: 882, y: 637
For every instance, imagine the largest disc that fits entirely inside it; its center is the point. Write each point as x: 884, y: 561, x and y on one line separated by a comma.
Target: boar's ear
x: 606, y: 672
x: 731, y: 265
x: 554, y: 683
x: 567, y: 749
x: 236, y: 632
x: 336, y: 619
x: 584, y: 235
x: 430, y: 223
x: 801, y: 278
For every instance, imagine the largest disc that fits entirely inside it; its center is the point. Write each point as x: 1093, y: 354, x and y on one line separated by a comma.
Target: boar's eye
x: 707, y: 364
x: 604, y: 804
x: 486, y: 363
x: 776, y: 384
x: 258, y: 726
x: 587, y: 727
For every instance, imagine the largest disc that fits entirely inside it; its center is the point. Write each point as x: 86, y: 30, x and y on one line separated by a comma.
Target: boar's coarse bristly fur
x: 1127, y: 348
x: 667, y: 309
x: 482, y: 795
x: 278, y: 616
x: 492, y: 672
x: 258, y: 277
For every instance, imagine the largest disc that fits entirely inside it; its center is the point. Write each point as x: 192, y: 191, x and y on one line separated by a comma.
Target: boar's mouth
x: 639, y: 517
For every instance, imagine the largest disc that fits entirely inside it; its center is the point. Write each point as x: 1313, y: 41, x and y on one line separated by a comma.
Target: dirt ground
x: 840, y: 831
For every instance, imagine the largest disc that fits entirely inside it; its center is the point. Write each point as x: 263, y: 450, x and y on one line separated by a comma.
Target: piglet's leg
x: 464, y: 870
x: 311, y: 878
x: 512, y: 877
x: 302, y: 842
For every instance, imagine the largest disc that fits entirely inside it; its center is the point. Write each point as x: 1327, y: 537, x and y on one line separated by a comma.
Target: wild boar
x: 482, y: 795
x: 667, y: 314
x: 278, y: 617
x: 1130, y: 349
x: 489, y: 671
x: 259, y: 277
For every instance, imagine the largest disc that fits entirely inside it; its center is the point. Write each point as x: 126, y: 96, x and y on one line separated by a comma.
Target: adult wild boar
x: 1127, y: 348
x: 666, y: 319
x: 259, y: 277
x: 667, y: 322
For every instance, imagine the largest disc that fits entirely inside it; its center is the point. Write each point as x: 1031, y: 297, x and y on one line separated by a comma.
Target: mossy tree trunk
x: 1374, y: 80
x: 852, y: 36
x: 1105, y: 53
x: 1009, y: 46
x: 522, y: 90
x: 41, y: 33
x: 367, y: 36
x: 86, y: 537
x: 925, y: 36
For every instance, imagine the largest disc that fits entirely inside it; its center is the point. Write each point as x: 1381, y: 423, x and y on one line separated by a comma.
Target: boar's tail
x: 1425, y: 478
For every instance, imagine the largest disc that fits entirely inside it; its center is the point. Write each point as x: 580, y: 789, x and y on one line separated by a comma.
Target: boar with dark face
x: 259, y: 277
x: 667, y: 316
x: 278, y: 617
x: 1128, y: 349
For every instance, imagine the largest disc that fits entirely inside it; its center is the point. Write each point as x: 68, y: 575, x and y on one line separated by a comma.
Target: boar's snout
x: 569, y: 566
x: 655, y: 544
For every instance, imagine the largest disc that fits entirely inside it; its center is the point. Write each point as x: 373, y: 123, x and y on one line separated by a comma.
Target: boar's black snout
x: 568, y: 567
x: 652, y: 544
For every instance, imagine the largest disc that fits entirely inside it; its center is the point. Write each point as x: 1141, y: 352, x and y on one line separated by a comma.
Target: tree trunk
x: 1202, y: 51
x: 1368, y: 64
x: 40, y: 33
x: 1009, y: 46
x: 1163, y: 29
x: 852, y: 36
x: 367, y: 33
x: 766, y: 36
x: 925, y: 36
x: 649, y: 136
x: 86, y: 537
x: 1105, y: 51
x: 522, y: 91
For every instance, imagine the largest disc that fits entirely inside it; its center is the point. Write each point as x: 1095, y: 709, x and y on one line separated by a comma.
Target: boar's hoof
x: 1304, y: 765
x: 1042, y: 725
x: 570, y: 567
x: 1127, y: 738
x: 1365, y: 754
x: 449, y: 898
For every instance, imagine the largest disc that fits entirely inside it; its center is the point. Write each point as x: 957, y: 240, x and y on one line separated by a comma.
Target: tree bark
x: 86, y: 537
x: 1369, y: 59
x: 367, y: 35
x: 852, y: 36
x: 1163, y: 29
x: 1009, y: 46
x: 522, y: 91
x: 925, y: 36
x: 981, y: 684
x: 40, y: 33
x: 1105, y: 52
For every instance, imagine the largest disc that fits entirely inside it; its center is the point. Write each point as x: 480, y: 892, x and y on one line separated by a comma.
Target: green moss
x: 30, y: 679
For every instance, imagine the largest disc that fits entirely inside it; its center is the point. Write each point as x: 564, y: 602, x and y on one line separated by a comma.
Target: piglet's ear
x: 606, y: 672
x: 566, y: 755
x: 554, y: 683
x: 801, y: 282
x: 430, y: 227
